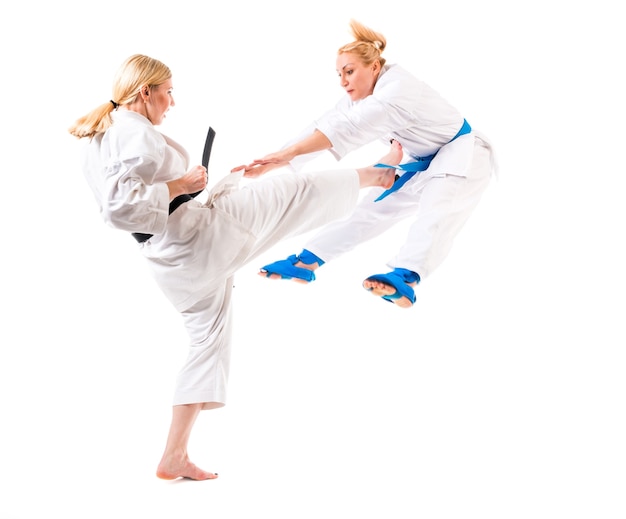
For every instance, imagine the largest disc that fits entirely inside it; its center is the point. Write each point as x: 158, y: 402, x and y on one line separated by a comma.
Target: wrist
x: 175, y: 188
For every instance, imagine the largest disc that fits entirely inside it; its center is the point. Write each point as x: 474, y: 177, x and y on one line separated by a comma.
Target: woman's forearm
x: 317, y: 141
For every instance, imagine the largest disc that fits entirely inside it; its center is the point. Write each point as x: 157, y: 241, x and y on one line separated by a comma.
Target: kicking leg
x: 300, y: 268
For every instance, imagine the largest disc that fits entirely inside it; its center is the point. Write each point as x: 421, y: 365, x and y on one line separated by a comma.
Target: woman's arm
x: 314, y: 142
x: 191, y: 182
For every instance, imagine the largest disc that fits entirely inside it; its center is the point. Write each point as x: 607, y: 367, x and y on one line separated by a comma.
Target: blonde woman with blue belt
x: 448, y: 167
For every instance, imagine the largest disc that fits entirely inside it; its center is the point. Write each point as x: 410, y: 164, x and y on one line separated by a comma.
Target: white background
x: 500, y: 394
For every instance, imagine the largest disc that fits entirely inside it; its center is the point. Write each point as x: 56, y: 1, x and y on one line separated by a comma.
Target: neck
x: 138, y: 107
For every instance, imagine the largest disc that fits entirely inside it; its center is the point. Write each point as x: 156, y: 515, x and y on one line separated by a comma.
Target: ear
x: 144, y: 92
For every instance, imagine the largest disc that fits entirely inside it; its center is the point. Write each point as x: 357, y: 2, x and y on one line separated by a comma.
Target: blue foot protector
x: 287, y: 269
x: 397, y: 279
x: 308, y: 258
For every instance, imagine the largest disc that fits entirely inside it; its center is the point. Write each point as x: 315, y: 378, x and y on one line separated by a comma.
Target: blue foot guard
x: 287, y: 269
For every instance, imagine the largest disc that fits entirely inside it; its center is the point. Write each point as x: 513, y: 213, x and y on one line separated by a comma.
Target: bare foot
x: 394, y: 155
x: 170, y: 469
x: 379, y: 289
x: 382, y: 177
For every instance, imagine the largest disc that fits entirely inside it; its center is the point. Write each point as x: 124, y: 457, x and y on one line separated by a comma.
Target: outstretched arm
x: 317, y: 141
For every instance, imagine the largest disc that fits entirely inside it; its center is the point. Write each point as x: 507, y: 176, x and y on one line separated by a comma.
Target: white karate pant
x: 269, y: 210
x: 440, y: 205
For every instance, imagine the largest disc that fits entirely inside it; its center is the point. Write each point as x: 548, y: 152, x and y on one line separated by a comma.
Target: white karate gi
x: 440, y: 198
x: 196, y: 250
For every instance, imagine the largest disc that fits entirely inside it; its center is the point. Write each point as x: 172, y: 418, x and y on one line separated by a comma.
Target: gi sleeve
x: 131, y: 199
x: 352, y: 125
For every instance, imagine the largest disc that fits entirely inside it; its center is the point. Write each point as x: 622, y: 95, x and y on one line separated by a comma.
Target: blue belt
x: 420, y: 164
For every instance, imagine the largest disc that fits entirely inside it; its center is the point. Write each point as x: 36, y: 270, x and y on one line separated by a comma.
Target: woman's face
x: 356, y: 78
x: 158, y: 102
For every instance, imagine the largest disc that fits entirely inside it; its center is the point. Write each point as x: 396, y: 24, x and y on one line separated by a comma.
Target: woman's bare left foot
x: 169, y: 469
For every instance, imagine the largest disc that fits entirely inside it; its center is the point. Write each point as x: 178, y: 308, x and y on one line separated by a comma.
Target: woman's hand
x: 193, y: 181
x: 317, y: 141
x: 261, y: 166
x: 256, y: 169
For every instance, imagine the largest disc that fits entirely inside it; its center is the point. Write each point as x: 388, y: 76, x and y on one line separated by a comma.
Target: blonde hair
x: 136, y: 72
x: 368, y: 45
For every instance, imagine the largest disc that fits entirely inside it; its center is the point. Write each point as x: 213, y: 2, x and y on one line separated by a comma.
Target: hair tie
x: 377, y: 44
x: 115, y: 105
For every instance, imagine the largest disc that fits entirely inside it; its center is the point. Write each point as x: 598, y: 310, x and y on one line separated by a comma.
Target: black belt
x: 181, y: 199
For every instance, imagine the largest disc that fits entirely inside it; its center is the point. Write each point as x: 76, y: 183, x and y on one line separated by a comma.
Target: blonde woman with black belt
x: 194, y: 248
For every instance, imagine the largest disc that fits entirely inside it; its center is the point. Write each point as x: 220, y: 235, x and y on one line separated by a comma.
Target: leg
x: 275, y: 208
x: 445, y: 206
x: 201, y: 383
x: 175, y: 461
x: 365, y: 223
x: 446, y: 203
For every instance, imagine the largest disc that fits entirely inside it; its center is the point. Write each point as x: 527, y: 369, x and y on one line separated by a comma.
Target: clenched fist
x: 194, y: 181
